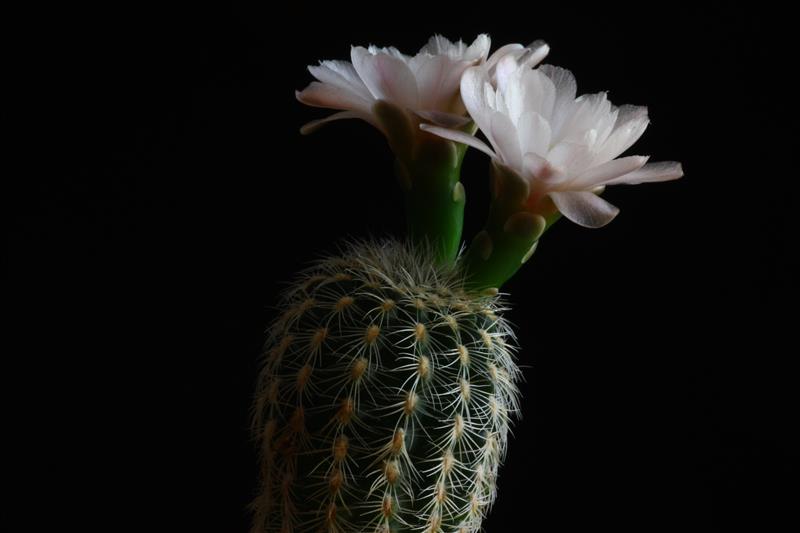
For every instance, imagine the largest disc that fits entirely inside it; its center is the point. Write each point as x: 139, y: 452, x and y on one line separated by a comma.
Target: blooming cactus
x: 425, y: 85
x: 389, y: 379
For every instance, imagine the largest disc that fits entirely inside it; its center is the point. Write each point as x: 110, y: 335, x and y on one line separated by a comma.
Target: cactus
x: 385, y: 397
x: 389, y: 380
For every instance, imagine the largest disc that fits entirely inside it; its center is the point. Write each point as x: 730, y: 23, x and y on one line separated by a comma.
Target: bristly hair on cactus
x: 385, y: 398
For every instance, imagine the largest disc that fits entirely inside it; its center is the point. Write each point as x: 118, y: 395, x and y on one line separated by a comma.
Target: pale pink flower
x: 424, y: 86
x: 563, y: 150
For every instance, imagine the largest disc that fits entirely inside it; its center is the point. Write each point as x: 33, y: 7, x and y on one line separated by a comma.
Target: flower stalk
x: 434, y: 197
x: 429, y: 169
x: 510, y: 236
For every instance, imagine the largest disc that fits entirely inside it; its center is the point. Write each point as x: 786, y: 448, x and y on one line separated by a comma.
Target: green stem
x: 508, y: 239
x: 434, y: 196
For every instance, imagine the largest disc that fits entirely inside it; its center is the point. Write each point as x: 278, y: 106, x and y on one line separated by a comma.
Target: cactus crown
x: 385, y: 398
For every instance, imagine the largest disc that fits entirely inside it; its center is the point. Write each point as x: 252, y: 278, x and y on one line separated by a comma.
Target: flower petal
x: 534, y: 133
x: 314, y: 125
x: 341, y: 74
x: 650, y: 173
x: 388, y: 50
x: 572, y: 158
x: 438, y: 79
x: 326, y: 95
x: 441, y: 45
x: 564, y: 81
x: 534, y: 165
x: 629, y: 126
x: 539, y: 93
x: 582, y: 115
x: 505, y: 140
x: 474, y: 81
x: 584, y: 208
x: 545, y: 175
x: 386, y: 75
x: 459, y: 137
x: 500, y: 53
x: 535, y: 53
x: 479, y: 49
x: 505, y: 69
x: 606, y: 172
x: 446, y: 120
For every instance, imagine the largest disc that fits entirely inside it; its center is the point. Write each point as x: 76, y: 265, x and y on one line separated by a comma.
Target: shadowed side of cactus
x: 385, y: 398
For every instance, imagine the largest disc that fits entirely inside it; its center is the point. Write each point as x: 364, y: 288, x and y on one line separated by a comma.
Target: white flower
x: 562, y: 148
x: 426, y: 85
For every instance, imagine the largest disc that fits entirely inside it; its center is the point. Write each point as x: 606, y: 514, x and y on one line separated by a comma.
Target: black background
x: 167, y: 196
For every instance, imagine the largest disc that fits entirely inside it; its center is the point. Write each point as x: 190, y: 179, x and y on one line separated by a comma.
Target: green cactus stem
x: 435, y: 197
x: 385, y: 398
x: 429, y: 169
x: 510, y: 236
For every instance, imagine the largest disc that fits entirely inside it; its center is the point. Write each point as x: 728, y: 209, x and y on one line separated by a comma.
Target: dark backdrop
x: 168, y: 196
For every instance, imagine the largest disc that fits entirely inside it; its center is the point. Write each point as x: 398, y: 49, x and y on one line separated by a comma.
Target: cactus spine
x: 385, y: 398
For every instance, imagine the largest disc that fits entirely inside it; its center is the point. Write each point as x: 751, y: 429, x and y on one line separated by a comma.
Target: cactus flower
x: 561, y: 149
x: 426, y: 85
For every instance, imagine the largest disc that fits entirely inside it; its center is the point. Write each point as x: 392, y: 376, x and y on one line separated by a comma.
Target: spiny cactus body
x: 385, y: 398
